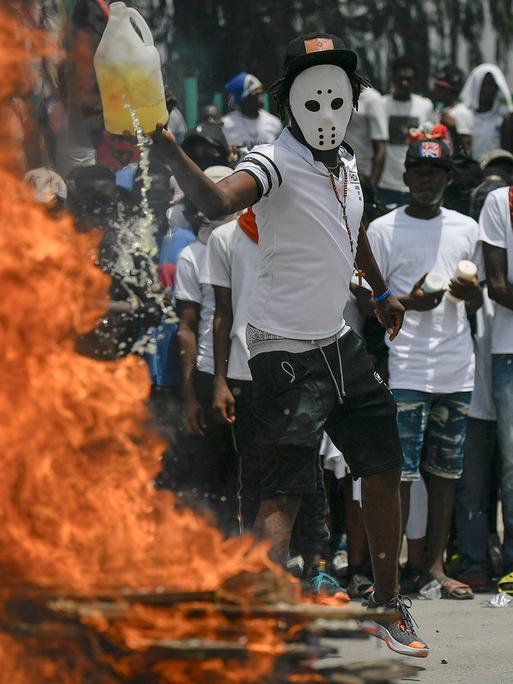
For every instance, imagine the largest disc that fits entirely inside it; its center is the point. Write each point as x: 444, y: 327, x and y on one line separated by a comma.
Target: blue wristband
x: 381, y: 297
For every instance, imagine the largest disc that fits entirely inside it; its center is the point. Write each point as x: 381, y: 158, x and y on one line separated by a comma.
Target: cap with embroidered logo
x: 312, y: 49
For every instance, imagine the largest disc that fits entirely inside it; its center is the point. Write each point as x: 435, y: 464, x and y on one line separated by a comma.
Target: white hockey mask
x: 321, y: 102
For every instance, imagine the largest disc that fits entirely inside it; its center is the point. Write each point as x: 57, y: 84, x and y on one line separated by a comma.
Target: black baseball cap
x: 206, y: 132
x: 430, y: 152
x: 450, y: 77
x: 313, y: 49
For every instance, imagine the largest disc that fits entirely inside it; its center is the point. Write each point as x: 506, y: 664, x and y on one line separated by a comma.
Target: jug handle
x: 141, y: 25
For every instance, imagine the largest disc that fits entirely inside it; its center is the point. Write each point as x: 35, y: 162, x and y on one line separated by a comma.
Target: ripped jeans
x: 435, y: 424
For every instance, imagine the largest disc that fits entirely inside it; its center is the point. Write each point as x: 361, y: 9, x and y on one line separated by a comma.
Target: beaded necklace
x: 359, y: 273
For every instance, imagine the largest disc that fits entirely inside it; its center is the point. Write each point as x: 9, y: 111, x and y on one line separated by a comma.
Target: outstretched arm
x: 215, y: 200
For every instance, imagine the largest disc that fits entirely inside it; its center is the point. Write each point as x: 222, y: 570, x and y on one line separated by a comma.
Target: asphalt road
x: 470, y: 643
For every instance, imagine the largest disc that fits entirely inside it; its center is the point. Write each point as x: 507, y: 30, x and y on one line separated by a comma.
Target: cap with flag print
x: 431, y: 152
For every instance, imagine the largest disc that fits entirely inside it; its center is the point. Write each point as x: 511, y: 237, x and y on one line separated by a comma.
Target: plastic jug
x: 129, y: 73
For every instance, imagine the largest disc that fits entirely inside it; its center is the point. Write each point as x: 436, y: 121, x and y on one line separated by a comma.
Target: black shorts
x: 295, y: 399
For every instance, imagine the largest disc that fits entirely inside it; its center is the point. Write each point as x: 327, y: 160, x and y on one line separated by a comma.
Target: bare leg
x: 410, y: 582
x: 356, y: 538
x: 416, y: 552
x: 441, y: 506
x: 405, y: 504
x: 382, y: 518
x: 275, y: 521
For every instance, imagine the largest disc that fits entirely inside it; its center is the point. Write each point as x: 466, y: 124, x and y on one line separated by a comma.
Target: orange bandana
x: 247, y: 222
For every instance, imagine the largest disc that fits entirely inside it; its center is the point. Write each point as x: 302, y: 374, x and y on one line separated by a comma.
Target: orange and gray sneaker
x: 400, y: 635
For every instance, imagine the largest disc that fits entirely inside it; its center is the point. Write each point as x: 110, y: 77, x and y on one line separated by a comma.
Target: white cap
x: 217, y: 173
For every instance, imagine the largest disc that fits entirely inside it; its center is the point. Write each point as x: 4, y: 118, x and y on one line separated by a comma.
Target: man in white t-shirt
x: 431, y: 363
x: 249, y: 124
x: 231, y: 268
x: 213, y: 470
x: 450, y: 111
x: 404, y: 110
x: 310, y: 371
x: 496, y: 233
x: 368, y: 134
x: 196, y: 310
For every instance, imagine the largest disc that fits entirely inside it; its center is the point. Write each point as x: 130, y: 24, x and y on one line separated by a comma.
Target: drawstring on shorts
x: 341, y: 392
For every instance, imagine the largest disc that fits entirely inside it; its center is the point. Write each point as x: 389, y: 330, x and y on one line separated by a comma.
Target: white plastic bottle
x: 434, y: 282
x: 466, y: 270
x: 129, y: 73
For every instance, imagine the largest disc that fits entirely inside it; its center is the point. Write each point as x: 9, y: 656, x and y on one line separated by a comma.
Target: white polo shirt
x: 190, y: 289
x: 496, y: 229
x: 305, y: 257
x: 232, y: 261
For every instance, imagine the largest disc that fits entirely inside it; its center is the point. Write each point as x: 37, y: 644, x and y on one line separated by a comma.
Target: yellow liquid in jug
x: 128, y: 88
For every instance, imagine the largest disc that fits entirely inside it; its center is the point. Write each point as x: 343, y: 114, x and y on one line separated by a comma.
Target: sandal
x: 451, y: 587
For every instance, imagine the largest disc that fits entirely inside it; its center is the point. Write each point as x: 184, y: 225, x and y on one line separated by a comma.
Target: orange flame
x: 79, y: 514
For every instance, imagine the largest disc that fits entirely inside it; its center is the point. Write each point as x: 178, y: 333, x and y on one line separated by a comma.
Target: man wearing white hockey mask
x: 321, y: 103
x: 310, y: 370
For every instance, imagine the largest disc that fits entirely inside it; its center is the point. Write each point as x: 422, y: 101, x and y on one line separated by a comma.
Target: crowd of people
x: 284, y: 417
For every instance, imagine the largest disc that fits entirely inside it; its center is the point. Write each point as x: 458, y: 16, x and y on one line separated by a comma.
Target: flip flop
x: 450, y: 588
x: 505, y: 584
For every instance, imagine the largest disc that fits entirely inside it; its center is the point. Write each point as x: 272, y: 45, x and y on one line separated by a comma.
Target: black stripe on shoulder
x: 256, y: 179
x: 250, y: 158
x: 348, y: 147
x: 276, y: 169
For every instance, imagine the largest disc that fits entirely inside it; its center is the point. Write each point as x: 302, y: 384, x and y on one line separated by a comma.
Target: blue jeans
x: 473, y: 495
x: 437, y: 423
x: 502, y: 384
